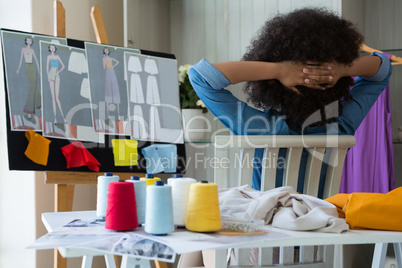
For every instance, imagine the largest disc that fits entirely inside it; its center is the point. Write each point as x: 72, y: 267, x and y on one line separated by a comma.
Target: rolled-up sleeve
x: 384, y: 69
x: 209, y: 84
x: 365, y: 93
x: 211, y: 75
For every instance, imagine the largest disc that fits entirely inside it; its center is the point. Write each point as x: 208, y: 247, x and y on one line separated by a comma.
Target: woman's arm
x: 36, y: 60
x: 62, y: 64
x: 290, y: 74
x: 117, y: 62
x: 368, y: 87
x: 363, y: 66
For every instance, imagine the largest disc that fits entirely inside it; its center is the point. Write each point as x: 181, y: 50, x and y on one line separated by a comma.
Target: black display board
x: 17, y: 142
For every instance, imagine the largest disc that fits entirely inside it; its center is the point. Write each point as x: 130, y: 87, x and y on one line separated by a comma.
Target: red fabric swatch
x: 77, y: 155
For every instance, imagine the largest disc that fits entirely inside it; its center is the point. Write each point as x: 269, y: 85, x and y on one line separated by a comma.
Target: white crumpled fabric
x: 286, y: 209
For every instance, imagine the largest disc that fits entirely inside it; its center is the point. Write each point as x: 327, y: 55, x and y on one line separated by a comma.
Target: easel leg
x: 64, y: 194
x: 59, y: 261
x: 160, y: 264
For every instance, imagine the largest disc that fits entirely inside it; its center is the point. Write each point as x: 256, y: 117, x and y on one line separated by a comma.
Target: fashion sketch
x: 153, y: 98
x: 112, y: 94
x: 33, y: 100
x: 54, y: 66
x: 23, y: 77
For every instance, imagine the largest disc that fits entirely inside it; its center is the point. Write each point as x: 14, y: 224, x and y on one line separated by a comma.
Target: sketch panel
x: 66, y: 93
x: 154, y: 103
x: 21, y: 52
x: 108, y: 92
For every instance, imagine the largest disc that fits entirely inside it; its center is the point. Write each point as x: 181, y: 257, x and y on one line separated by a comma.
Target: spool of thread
x: 140, y: 197
x: 159, y: 209
x: 150, y: 179
x: 101, y: 197
x: 203, y: 214
x: 180, y: 193
x: 174, y: 177
x: 121, y: 209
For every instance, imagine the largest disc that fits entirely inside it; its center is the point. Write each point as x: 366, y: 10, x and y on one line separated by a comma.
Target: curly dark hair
x: 300, y: 36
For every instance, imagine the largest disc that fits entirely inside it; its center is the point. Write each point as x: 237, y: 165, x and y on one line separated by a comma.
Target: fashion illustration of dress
x: 33, y: 99
x: 54, y: 65
x: 112, y: 94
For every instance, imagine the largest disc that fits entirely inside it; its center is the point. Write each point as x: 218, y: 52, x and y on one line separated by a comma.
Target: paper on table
x: 92, y: 235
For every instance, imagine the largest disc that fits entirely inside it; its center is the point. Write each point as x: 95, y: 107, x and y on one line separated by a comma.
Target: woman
x: 52, y: 68
x: 299, y: 66
x: 33, y: 100
x: 112, y: 94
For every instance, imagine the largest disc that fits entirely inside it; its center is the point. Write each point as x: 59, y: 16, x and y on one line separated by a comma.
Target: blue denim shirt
x: 241, y: 119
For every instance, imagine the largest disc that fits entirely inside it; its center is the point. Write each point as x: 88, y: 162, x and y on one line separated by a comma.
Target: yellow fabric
x: 371, y: 210
x: 125, y: 152
x: 38, y: 147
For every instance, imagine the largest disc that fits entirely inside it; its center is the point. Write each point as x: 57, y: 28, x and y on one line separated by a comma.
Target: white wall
x: 148, y: 24
x: 23, y: 195
x: 17, y: 189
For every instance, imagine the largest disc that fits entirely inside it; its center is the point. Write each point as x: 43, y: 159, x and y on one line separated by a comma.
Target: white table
x: 54, y: 220
x: 278, y: 237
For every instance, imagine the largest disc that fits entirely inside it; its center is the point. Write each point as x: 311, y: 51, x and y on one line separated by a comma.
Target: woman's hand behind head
x: 325, y: 74
x: 312, y: 75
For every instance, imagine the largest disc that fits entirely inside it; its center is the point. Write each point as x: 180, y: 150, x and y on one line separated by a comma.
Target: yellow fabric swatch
x: 125, y: 152
x: 38, y: 147
x: 371, y: 210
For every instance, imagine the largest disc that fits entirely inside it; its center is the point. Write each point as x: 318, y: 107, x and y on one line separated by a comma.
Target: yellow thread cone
x: 203, y: 214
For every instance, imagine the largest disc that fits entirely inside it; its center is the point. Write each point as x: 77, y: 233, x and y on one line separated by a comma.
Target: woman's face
x: 52, y: 48
x: 28, y: 41
x: 106, y: 51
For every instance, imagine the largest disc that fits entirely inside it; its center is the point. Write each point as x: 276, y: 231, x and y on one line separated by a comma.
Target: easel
x: 65, y: 181
x: 101, y: 38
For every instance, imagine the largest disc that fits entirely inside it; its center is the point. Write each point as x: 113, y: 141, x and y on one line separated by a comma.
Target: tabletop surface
x: 275, y: 236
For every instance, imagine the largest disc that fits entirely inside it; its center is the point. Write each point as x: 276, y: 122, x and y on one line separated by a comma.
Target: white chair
x: 331, y: 149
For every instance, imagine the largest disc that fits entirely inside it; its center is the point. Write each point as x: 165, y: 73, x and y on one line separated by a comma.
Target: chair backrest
x: 329, y: 149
